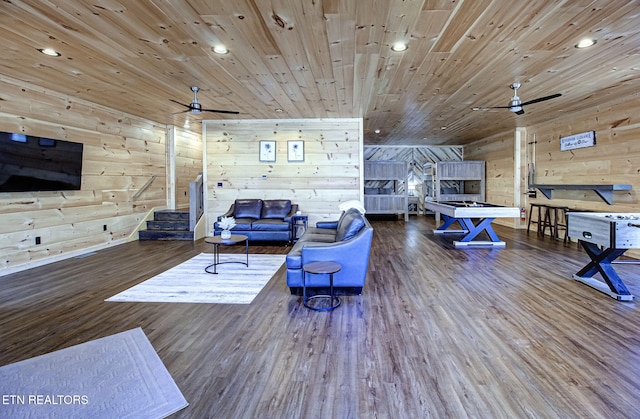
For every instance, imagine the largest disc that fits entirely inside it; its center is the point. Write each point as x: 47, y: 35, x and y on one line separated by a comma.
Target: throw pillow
x: 349, y: 225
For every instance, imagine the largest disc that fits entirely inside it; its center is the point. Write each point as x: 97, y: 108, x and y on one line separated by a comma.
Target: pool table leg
x: 483, y: 225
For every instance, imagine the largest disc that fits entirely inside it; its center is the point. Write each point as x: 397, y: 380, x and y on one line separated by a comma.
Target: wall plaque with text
x: 585, y: 139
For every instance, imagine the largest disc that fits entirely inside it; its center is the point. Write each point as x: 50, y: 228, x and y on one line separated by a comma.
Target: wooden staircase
x: 167, y: 225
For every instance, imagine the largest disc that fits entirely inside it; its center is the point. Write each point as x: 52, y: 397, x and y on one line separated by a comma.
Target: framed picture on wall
x: 295, y: 151
x: 268, y: 151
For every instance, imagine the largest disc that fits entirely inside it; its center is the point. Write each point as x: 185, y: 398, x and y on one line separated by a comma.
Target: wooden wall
x: 121, y: 154
x: 188, y: 163
x: 614, y: 159
x: 331, y: 172
x: 498, y: 153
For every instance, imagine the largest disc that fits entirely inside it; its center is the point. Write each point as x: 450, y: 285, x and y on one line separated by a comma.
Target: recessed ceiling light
x: 399, y: 47
x: 377, y: 131
x: 279, y: 110
x: 220, y: 49
x: 586, y: 43
x: 50, y: 52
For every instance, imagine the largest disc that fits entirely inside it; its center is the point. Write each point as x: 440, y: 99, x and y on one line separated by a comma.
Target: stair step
x: 170, y: 215
x: 165, y: 235
x: 171, y: 225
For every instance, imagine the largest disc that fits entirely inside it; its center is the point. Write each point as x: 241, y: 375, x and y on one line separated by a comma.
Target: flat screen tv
x: 29, y: 163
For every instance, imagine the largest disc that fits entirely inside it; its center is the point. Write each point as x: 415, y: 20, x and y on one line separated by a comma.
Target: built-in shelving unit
x: 454, y: 181
x: 604, y: 191
x: 386, y: 188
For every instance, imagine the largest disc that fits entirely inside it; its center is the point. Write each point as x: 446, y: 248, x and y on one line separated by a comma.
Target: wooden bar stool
x: 547, y: 222
x: 538, y: 220
x: 561, y: 223
x: 556, y: 220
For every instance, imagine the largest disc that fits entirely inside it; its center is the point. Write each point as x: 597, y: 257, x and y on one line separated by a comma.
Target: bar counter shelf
x: 604, y: 191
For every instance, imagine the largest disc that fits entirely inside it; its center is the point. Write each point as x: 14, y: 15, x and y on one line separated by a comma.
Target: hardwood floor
x: 437, y: 332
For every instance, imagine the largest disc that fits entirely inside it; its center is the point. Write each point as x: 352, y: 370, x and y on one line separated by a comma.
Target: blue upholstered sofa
x: 261, y: 220
x: 346, y: 241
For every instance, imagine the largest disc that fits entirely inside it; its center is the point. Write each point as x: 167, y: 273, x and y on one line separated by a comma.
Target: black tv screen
x: 29, y: 163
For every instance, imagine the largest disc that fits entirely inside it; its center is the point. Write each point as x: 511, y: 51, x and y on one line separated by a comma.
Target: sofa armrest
x: 327, y: 224
x: 352, y: 254
x: 294, y: 208
x: 229, y: 213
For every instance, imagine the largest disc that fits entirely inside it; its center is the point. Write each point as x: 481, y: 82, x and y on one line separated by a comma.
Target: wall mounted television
x: 29, y: 163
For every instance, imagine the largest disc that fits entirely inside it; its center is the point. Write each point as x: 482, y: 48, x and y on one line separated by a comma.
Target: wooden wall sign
x: 585, y: 139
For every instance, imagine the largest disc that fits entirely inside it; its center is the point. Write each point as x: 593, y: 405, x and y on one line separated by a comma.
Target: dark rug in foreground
x: 118, y: 376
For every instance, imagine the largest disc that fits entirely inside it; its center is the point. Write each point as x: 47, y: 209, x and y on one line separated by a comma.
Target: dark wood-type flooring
x: 437, y: 332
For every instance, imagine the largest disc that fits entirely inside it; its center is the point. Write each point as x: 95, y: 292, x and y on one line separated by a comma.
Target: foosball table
x: 605, y: 237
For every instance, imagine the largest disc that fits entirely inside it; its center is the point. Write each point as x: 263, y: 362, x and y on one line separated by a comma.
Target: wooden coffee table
x: 216, y: 241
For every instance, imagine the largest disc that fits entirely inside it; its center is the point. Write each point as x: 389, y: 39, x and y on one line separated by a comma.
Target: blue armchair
x: 346, y: 241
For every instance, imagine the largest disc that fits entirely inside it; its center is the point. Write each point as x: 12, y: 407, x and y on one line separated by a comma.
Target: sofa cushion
x: 294, y: 257
x: 270, y: 225
x: 349, y: 225
x: 276, y: 208
x: 247, y: 208
x: 243, y: 224
x: 316, y: 230
x: 320, y: 238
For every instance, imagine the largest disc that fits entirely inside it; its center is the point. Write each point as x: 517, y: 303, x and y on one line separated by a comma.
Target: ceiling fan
x: 516, y: 105
x: 195, y: 107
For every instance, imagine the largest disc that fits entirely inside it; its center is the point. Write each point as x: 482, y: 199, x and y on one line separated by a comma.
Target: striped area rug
x: 235, y: 283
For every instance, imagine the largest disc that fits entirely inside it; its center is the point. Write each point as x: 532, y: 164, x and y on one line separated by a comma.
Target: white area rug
x: 235, y: 283
x: 119, y: 376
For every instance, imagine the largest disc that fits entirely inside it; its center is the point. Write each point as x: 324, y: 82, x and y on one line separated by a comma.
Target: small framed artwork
x: 295, y: 151
x: 267, y: 151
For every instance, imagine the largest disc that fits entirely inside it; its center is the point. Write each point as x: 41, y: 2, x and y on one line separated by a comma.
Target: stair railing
x: 196, y: 201
x: 144, y: 188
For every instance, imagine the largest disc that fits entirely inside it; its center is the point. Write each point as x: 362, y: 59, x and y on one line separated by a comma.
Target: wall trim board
x: 148, y: 217
x: 170, y: 147
x: 200, y: 231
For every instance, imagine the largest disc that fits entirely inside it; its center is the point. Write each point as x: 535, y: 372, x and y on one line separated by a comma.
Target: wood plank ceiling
x: 331, y: 58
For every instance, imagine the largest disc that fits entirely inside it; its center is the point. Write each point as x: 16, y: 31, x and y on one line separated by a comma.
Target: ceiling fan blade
x: 220, y: 111
x: 176, y: 113
x: 179, y: 103
x: 196, y: 108
x: 541, y: 99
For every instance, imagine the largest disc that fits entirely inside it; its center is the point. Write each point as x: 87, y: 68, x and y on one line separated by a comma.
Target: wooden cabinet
x: 386, y: 188
x: 454, y: 181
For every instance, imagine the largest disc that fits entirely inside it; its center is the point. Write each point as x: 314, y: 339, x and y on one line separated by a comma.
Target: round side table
x: 326, y: 268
